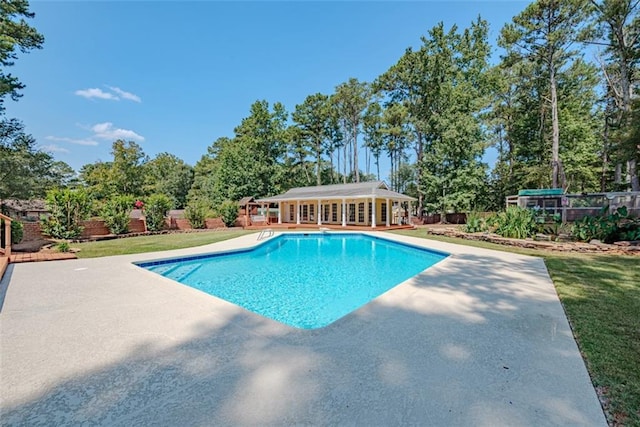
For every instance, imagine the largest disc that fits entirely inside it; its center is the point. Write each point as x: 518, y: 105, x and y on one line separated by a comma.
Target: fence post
x: 7, y: 235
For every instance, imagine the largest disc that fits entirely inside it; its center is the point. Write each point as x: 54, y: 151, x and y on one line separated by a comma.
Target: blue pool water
x: 305, y: 281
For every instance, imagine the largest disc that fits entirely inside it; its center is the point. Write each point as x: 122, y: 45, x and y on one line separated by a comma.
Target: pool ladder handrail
x: 266, y: 233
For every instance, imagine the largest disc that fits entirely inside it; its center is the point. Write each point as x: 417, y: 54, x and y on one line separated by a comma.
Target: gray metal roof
x: 245, y: 201
x: 338, y: 191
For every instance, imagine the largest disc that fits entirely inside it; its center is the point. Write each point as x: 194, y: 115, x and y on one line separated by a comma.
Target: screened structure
x: 573, y: 207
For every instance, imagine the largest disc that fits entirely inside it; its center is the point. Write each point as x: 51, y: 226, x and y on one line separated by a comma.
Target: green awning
x: 541, y: 192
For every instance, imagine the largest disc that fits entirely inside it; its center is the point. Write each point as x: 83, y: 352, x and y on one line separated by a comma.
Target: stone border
x: 623, y: 248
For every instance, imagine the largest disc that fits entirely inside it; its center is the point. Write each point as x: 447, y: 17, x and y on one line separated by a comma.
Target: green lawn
x: 601, y: 297
x: 600, y: 294
x: 159, y: 242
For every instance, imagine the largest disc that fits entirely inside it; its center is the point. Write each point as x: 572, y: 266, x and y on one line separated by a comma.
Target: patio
x: 478, y: 339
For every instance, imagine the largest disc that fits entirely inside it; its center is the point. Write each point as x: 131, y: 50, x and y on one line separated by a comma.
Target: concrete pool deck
x: 479, y: 339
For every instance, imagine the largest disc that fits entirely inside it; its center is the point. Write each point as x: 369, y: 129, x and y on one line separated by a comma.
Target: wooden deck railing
x: 7, y: 236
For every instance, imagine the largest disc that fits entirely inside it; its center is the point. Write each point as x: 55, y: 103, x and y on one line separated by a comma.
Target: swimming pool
x: 303, y: 280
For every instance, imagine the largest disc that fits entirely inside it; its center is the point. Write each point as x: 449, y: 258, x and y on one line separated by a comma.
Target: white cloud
x: 125, y: 95
x: 107, y: 131
x: 54, y: 148
x: 115, y: 94
x: 100, y: 131
x: 96, y: 93
x: 72, y: 140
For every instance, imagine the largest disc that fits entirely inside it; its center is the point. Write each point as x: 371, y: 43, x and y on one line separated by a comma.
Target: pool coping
x: 479, y: 338
x: 204, y: 255
x: 300, y: 320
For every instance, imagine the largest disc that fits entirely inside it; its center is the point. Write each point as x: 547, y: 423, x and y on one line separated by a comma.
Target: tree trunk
x: 555, y: 130
x: 355, y: 151
x: 344, y: 178
x: 331, y: 165
x: 419, y: 149
x: 391, y: 179
x: 605, y: 157
x: 633, y: 175
x: 318, y: 165
x: 618, y: 174
x: 626, y: 89
x: 623, y: 93
x: 338, y: 162
x: 367, y: 156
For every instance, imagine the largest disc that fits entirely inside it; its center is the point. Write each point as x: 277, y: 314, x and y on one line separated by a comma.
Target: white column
x: 279, y: 212
x: 409, y: 213
x: 344, y: 212
x: 373, y: 212
x: 388, y: 215
x: 318, y: 213
x: 297, y: 211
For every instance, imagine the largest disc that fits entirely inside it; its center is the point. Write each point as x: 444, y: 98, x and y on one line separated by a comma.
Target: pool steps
x: 177, y: 272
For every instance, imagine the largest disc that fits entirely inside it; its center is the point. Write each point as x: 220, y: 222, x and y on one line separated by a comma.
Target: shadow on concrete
x: 458, y: 345
x: 5, y: 279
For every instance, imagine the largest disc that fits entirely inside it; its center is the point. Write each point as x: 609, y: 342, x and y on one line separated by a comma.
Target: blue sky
x: 175, y: 76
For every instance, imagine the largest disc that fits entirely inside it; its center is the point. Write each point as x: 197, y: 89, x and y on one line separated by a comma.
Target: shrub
x: 228, y: 211
x: 17, y: 232
x: 96, y: 208
x: 155, y: 210
x: 63, y: 247
x: 607, y: 228
x: 475, y: 223
x: 515, y: 222
x: 68, y: 208
x: 548, y: 223
x: 196, y: 213
x: 115, y: 214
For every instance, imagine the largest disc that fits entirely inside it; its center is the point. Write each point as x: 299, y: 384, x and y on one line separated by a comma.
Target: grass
x: 601, y: 297
x: 159, y: 242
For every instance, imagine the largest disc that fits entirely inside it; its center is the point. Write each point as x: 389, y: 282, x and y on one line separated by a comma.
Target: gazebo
x: 366, y: 204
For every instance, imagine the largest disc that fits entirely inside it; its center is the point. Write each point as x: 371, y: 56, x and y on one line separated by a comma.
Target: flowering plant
x: 138, y: 204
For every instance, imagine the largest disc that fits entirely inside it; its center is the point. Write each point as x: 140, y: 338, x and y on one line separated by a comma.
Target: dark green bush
x: 607, y: 228
x: 196, y: 213
x: 17, y: 232
x: 68, y: 209
x: 115, y: 213
x: 228, y: 211
x: 155, y: 210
